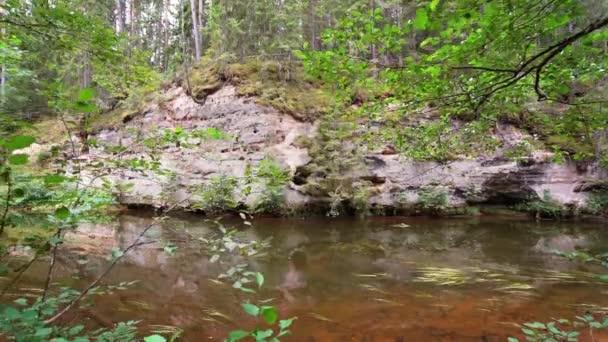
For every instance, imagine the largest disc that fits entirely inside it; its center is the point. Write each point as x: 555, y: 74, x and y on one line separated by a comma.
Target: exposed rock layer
x: 261, y: 131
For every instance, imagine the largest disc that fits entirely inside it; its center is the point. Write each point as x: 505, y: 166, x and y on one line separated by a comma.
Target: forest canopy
x: 538, y: 63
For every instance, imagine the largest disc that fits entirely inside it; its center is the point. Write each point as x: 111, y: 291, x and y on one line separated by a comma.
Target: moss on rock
x: 279, y: 84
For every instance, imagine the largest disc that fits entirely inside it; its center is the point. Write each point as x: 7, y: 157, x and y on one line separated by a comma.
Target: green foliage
x: 552, y: 331
x: 471, y: 63
x: 273, y: 180
x: 270, y: 316
x: 564, y: 329
x: 24, y: 320
x: 597, y: 203
x: 360, y: 199
x: 519, y: 151
x: 547, y: 207
x: 218, y: 195
x: 433, y: 199
x: 249, y: 282
x: 279, y: 84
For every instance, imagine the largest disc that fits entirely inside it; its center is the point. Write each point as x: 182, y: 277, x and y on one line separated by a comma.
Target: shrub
x: 273, y: 179
x: 218, y: 195
x: 433, y: 199
x: 598, y: 202
x: 547, y: 207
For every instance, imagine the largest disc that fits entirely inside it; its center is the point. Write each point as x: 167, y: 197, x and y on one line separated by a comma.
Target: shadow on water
x: 378, y: 279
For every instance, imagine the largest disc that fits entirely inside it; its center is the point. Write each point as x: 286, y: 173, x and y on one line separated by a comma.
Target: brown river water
x: 346, y: 279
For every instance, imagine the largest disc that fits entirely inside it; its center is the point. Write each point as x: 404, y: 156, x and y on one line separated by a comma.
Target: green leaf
x: 85, y: 107
x: 54, y: 179
x: 536, y: 325
x: 237, y: 335
x: 262, y: 335
x: 552, y: 328
x: 86, y: 94
x: 11, y: 313
x: 21, y: 301
x: 18, y: 159
x: 512, y: 339
x: 4, y: 269
x: 259, y: 279
x: 246, y: 289
x: 75, y: 330
x: 251, y: 309
x: 286, y: 323
x: 154, y: 338
x: 18, y: 193
x: 528, y: 331
x: 19, y: 142
x: 43, y: 332
x: 421, y: 19
x: 603, y: 277
x: 270, y: 314
x: 62, y: 213
x: 433, y: 5
x: 595, y: 325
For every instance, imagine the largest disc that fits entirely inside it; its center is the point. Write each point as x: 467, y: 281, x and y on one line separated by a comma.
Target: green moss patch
x: 281, y: 85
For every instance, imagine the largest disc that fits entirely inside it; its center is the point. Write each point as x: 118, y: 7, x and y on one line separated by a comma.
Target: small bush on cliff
x: 433, y: 199
x: 598, y: 202
x: 273, y: 179
x: 362, y: 191
x: 218, y: 195
x: 519, y: 151
x: 547, y: 207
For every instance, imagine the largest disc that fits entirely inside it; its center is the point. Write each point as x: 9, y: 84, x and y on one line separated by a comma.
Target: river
x: 346, y: 279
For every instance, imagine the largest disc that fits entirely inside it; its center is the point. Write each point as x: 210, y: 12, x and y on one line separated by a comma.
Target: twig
x: 49, y: 274
x: 18, y: 276
x: 7, y: 204
x: 95, y: 282
x: 471, y: 67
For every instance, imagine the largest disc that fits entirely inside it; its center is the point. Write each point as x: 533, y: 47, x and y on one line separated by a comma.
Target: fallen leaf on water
x: 387, y: 301
x: 373, y: 288
x: 215, y: 313
x: 320, y: 318
x: 371, y: 275
x: 215, y: 281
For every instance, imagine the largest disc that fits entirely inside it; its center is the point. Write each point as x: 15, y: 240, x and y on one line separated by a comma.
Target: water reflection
x: 347, y: 279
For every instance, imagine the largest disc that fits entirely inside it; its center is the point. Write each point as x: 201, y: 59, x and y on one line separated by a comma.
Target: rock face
x: 259, y: 132
x: 476, y: 182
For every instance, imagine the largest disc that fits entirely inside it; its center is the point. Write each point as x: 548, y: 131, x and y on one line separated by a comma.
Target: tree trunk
x: 166, y: 33
x: 196, y: 32
x: 120, y: 15
x: 86, y: 71
x: 312, y: 23
x: 201, y: 14
x: 3, y: 66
